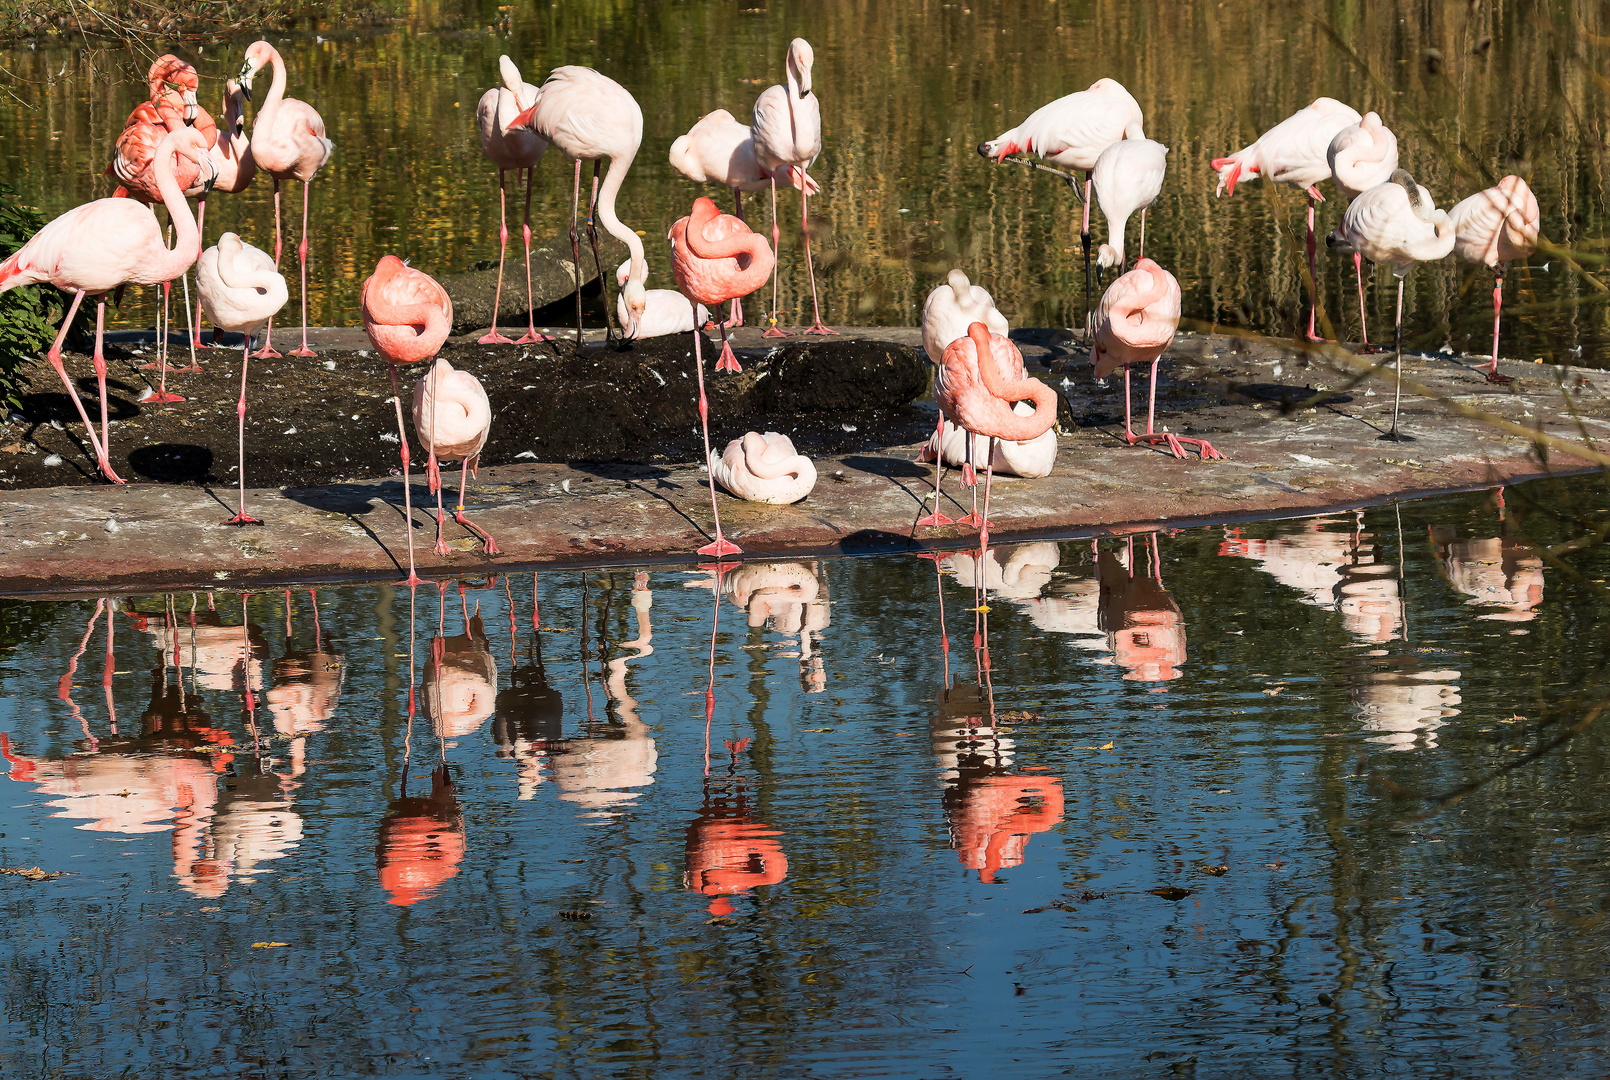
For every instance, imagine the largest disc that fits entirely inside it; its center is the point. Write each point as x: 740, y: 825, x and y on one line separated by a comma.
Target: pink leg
x: 983, y: 529
x: 575, y: 246
x: 531, y: 334
x: 441, y: 516
x: 100, y: 379
x: 598, y: 262
x: 1365, y: 348
x: 412, y: 580
x: 267, y: 352
x: 242, y: 517
x: 162, y: 397
x: 195, y: 331
x: 1175, y: 443
x: 492, y: 337
x: 1313, y: 282
x: 736, y: 316
x: 1498, y: 306
x: 816, y: 327
x: 54, y: 356
x: 488, y: 545
x: 720, y: 545
x: 301, y: 256
x: 776, y: 237
x: 970, y: 479
x: 1084, y: 242
x: 936, y: 519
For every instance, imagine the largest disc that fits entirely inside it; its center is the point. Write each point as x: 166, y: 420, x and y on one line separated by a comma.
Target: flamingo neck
x: 276, y: 94
x: 613, y: 179
x: 186, y: 236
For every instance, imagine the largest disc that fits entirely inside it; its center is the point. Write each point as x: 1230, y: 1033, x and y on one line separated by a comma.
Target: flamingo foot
x: 188, y: 369
x: 492, y: 337
x: 413, y: 581
x: 969, y: 477
x: 975, y: 521
x: 489, y: 546
x: 1496, y: 377
x: 1203, y: 447
x: 721, y: 546
x: 106, y: 471
x: 935, y: 520
x: 532, y: 338
x: 303, y: 351
x: 1370, y: 349
x: 1314, y: 339
x: 774, y: 330
x: 158, y: 365
x: 267, y: 353
x: 441, y: 541
x: 728, y: 360
x: 243, y: 518
x: 819, y: 328
x: 162, y: 397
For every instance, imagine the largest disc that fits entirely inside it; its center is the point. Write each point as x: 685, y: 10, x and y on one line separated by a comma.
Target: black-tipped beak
x: 983, y: 150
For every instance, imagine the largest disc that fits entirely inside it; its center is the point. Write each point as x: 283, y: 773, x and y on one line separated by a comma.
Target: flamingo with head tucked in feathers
x: 452, y: 417
x: 1494, y: 228
x: 1360, y: 157
x: 665, y: 311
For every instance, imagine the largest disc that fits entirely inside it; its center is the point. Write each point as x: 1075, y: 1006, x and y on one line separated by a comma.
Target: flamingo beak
x: 190, y: 106
x: 247, y: 72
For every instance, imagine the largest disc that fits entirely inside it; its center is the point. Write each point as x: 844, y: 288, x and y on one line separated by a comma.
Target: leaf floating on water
x: 1216, y: 871
x: 1055, y: 905
x: 1171, y: 892
x: 270, y: 944
x: 1107, y: 746
x: 1018, y: 714
x: 34, y: 873
x: 576, y: 915
x: 1272, y: 691
x: 817, y: 730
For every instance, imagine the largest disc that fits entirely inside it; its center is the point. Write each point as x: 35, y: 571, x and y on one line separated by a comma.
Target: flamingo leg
x: 970, y: 480
x: 184, y: 280
x: 1142, y: 253
x: 772, y: 329
x: 1084, y: 242
x: 531, y: 334
x: 268, y: 352
x: 195, y: 333
x: 99, y: 360
x: 1498, y: 307
x: 936, y: 519
x: 736, y: 316
x: 488, y: 545
x: 1397, y: 397
x: 241, y: 517
x: 1365, y: 348
x: 441, y: 521
x: 54, y: 356
x: 432, y: 470
x: 720, y: 545
x: 161, y: 396
x: 1313, y: 282
x: 492, y: 337
x: 301, y: 257
x: 412, y: 580
x: 575, y: 246
x: 816, y: 327
x: 598, y: 263
x: 983, y: 528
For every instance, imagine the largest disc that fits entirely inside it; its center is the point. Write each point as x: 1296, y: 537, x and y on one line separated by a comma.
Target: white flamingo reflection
x: 1497, y: 573
x: 460, y: 684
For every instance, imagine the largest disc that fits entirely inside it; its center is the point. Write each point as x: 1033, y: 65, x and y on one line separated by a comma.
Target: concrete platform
x: 1282, y: 460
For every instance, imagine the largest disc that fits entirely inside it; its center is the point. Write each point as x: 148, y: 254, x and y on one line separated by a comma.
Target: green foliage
x: 28, y: 316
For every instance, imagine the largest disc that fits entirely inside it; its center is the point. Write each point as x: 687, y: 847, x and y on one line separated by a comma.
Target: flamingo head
x: 258, y: 54
x: 800, y: 59
x: 635, y: 296
x: 169, y: 74
x: 233, y: 93
x: 960, y: 286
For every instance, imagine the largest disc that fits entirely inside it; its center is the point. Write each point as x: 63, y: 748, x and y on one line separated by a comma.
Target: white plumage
x: 1072, y: 131
x: 764, y: 469
x: 665, y: 311
x: 1128, y: 176
x: 240, y: 289
x: 451, y: 413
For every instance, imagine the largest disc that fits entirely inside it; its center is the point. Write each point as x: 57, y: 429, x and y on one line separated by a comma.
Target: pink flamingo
x: 287, y: 143
x: 788, y: 135
x: 1072, y: 131
x: 407, y: 316
x: 1494, y: 228
x: 241, y: 290
x: 715, y: 258
x: 591, y: 116
x: 720, y: 150
x: 1293, y: 152
x: 1360, y: 157
x: 947, y: 313
x: 1134, y: 324
x: 518, y: 150
x: 232, y: 159
x: 978, y: 389
x: 452, y: 417
x: 96, y: 247
x: 1396, y: 222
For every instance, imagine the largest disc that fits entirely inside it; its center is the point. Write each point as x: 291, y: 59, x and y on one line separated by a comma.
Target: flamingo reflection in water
x: 460, y: 687
x: 306, y: 688
x: 1500, y: 574
x: 1332, y: 563
x: 1144, y: 625
x: 788, y: 598
x: 531, y: 714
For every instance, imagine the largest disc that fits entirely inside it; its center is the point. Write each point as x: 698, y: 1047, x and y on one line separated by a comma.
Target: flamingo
x: 1293, y: 152
x: 232, y: 159
x: 1030, y: 459
x: 521, y: 151
x: 1495, y: 227
x: 1134, y: 324
x: 764, y: 469
x: 1072, y: 131
x: 241, y: 290
x: 947, y: 313
x: 1360, y: 157
x: 1128, y: 176
x: 720, y: 150
x: 451, y: 417
x: 288, y: 143
x: 716, y: 258
x: 591, y: 116
x: 665, y: 311
x: 788, y: 135
x: 407, y: 316
x: 978, y: 389
x: 1396, y: 222
x: 96, y: 247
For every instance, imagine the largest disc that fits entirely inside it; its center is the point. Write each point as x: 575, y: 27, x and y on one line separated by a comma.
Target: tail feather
x: 10, y: 271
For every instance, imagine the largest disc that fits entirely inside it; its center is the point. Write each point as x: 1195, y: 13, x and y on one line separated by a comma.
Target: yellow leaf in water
x: 270, y: 944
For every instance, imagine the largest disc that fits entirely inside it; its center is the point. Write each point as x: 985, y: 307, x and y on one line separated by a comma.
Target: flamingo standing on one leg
x: 407, y: 316
x: 288, y: 143
x: 232, y: 159
x: 1072, y: 131
x: 590, y: 116
x: 1137, y: 319
x: 452, y: 417
x: 947, y: 313
x: 716, y: 258
x: 788, y: 135
x: 720, y: 150
x: 1494, y: 228
x: 1128, y: 176
x: 1294, y: 152
x: 1360, y: 157
x: 1396, y: 222
x: 519, y: 150
x: 241, y: 290
x: 94, y: 248
x: 980, y: 378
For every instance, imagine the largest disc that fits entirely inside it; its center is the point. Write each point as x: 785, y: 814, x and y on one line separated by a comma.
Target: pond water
x: 908, y: 90
x: 1267, y: 800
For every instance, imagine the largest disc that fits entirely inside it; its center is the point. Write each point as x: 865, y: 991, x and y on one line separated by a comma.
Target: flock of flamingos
x: 990, y: 410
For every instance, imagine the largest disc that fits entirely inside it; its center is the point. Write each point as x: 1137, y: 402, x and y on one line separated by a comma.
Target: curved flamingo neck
x: 613, y: 179
x: 1016, y: 428
x: 1140, y: 300
x: 186, y: 236
x: 276, y: 93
